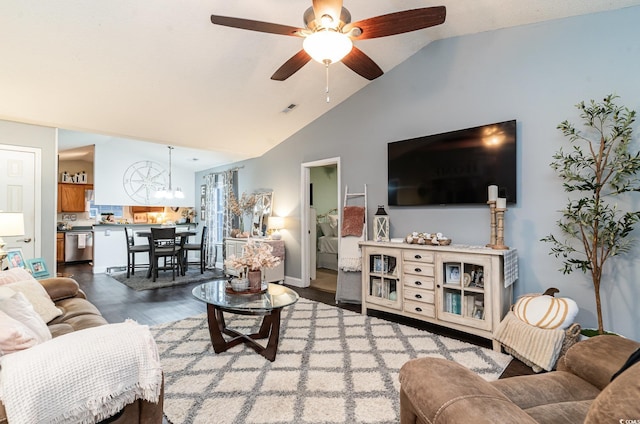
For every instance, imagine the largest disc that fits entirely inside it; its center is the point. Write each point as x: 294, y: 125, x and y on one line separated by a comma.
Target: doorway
x: 321, y: 200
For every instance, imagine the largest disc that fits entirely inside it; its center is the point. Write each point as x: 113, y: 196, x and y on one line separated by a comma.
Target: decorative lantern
x: 381, y: 225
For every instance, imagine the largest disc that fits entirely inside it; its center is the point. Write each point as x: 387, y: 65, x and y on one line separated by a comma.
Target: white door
x: 20, y: 192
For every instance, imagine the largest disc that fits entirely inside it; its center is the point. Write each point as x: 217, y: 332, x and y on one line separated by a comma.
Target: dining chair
x: 196, y: 247
x: 164, y: 245
x: 132, y: 249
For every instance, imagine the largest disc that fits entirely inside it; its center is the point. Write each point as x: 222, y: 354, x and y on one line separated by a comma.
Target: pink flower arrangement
x: 256, y: 256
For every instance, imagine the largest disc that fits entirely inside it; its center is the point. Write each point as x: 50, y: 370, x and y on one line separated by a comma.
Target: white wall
x: 534, y: 74
x: 43, y: 138
x: 111, y: 162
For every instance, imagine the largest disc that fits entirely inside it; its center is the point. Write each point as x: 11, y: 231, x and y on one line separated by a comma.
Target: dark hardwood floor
x: 117, y: 302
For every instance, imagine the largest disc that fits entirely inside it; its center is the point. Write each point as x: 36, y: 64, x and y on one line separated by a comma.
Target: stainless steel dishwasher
x: 78, y: 246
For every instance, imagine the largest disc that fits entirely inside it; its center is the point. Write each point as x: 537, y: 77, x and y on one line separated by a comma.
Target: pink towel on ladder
x: 352, y: 220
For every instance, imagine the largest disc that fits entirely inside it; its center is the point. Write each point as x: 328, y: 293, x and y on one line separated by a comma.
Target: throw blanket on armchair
x: 81, y: 377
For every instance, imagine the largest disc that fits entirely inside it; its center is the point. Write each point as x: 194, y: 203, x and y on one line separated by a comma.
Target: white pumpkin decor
x: 545, y: 310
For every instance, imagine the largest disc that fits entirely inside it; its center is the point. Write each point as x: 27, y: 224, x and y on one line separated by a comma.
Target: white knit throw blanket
x: 537, y: 347
x: 81, y: 377
x: 350, y: 257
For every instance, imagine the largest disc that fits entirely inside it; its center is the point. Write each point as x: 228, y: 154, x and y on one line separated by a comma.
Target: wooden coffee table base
x: 270, y: 328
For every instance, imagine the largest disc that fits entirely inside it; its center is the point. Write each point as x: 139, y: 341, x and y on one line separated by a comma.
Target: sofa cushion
x: 561, y: 413
x: 619, y: 399
x: 37, y: 295
x: 14, y: 335
x: 78, y: 314
x: 598, y: 358
x: 20, y: 309
x: 14, y: 275
x: 530, y: 391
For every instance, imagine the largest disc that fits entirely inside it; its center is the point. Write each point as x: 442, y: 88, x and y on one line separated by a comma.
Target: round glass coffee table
x: 268, y: 303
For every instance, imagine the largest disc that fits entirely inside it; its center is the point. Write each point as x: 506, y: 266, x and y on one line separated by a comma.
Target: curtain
x: 218, y: 217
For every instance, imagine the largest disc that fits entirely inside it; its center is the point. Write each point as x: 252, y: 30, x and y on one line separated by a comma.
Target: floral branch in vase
x: 255, y: 257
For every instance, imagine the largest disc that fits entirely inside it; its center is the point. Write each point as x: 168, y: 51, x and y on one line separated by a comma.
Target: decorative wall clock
x: 142, y: 179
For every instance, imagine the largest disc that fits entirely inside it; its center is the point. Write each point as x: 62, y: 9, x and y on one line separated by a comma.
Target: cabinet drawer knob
x: 418, y: 309
x: 418, y: 270
x: 418, y: 256
x: 418, y: 283
x: 418, y: 296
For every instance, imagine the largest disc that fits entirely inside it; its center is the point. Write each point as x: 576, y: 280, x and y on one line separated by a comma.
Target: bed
x: 327, y: 253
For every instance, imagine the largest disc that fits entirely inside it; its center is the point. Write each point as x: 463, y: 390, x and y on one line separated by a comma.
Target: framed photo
x: 478, y: 312
x: 466, y: 279
x: 15, y: 259
x: 38, y: 268
x: 452, y: 273
x: 377, y: 264
x: 140, y: 218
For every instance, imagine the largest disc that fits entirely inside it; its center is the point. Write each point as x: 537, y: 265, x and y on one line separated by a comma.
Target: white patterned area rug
x: 332, y: 366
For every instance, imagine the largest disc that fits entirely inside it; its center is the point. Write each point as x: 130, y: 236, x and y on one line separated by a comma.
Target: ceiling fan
x: 329, y: 34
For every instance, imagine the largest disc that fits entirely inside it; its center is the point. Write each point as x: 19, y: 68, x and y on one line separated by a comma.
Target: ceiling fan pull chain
x: 326, y: 65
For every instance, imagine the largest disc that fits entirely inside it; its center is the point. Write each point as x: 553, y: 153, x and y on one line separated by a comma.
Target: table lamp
x: 11, y: 224
x: 276, y: 223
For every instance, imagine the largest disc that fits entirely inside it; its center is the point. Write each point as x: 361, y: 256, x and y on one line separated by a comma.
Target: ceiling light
x: 169, y: 193
x: 327, y: 46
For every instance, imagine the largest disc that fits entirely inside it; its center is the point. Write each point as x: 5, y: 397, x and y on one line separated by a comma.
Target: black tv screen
x: 453, y: 168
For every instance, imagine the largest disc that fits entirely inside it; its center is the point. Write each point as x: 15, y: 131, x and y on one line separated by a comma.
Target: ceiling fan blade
x: 362, y: 64
x: 256, y: 25
x: 332, y: 8
x: 398, y: 22
x: 291, y: 66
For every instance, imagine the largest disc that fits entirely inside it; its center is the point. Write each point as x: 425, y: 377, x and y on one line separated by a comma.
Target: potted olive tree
x: 599, y: 166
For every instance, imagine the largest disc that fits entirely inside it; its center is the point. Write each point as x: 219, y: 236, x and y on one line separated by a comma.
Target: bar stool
x: 132, y: 249
x: 196, y: 247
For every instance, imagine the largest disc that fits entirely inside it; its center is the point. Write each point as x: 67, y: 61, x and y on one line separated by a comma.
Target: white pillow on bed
x: 326, y: 228
x: 333, y: 221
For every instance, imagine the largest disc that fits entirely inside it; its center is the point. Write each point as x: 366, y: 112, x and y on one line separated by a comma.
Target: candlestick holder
x: 500, y: 233
x: 492, y: 212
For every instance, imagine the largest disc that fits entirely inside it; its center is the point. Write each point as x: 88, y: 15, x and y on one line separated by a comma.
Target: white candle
x: 493, y: 193
x: 501, y: 203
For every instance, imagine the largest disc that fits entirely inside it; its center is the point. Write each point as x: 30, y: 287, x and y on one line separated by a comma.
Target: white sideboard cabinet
x: 235, y: 246
x: 460, y: 287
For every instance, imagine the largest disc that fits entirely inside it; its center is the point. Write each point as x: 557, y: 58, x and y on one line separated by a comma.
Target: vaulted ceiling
x: 159, y: 71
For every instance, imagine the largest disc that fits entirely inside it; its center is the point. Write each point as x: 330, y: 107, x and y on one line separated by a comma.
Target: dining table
x: 184, y: 235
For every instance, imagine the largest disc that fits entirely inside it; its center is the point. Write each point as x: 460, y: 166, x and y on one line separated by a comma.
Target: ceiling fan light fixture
x: 327, y: 46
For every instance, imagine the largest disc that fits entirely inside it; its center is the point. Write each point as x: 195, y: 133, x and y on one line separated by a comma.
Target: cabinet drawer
x: 418, y: 295
x: 418, y: 282
x: 417, y: 256
x: 425, y: 309
x: 418, y: 269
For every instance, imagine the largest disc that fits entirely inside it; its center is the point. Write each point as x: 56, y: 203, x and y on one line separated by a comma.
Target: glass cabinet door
x: 463, y: 289
x: 383, y: 284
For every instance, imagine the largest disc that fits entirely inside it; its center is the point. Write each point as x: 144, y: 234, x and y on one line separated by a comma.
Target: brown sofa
x: 79, y: 313
x: 440, y: 391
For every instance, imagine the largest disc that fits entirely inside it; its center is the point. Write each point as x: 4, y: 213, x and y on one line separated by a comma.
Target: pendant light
x: 169, y: 193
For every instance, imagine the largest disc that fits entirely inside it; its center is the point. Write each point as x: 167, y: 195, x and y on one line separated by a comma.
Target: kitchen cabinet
x: 73, y: 197
x: 461, y: 287
x: 60, y: 247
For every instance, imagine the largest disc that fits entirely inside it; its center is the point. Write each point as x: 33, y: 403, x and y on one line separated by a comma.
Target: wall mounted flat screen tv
x: 453, y: 168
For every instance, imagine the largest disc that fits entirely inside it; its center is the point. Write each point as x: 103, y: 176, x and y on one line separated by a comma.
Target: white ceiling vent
x: 289, y: 108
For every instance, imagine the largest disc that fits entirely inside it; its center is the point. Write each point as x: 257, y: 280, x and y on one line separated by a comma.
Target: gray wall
x: 535, y: 74
x: 43, y: 138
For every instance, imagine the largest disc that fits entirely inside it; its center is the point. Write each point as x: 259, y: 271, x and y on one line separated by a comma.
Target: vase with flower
x: 256, y: 256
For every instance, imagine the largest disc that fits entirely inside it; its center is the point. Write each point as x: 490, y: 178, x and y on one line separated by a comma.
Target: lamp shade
x: 276, y: 222
x: 327, y: 46
x: 11, y: 224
